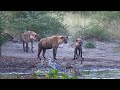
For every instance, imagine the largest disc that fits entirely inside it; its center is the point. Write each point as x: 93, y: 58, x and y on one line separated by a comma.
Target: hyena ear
x: 37, y: 35
x: 62, y: 37
x: 76, y: 40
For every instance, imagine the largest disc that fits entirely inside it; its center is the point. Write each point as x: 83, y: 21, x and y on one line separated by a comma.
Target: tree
x: 43, y: 22
x: 1, y: 34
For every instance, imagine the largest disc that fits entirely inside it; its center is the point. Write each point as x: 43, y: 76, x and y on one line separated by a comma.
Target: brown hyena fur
x: 51, y: 43
x: 78, y: 48
x: 29, y: 36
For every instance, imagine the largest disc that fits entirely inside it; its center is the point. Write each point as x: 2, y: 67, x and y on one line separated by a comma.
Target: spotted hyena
x: 78, y: 48
x: 29, y: 36
x: 51, y: 43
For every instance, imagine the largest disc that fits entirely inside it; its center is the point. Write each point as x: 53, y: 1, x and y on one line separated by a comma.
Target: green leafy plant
x: 54, y: 74
x: 38, y: 72
x: 97, y: 32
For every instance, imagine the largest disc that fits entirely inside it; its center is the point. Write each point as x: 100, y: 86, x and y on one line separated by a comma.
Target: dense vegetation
x: 99, y: 25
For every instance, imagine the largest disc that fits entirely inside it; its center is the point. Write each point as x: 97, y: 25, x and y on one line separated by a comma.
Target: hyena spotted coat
x: 29, y: 36
x: 51, y: 43
x: 78, y: 48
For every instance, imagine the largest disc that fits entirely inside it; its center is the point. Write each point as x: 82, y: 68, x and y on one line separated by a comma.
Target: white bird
x: 50, y: 63
x: 55, y: 65
x: 78, y: 66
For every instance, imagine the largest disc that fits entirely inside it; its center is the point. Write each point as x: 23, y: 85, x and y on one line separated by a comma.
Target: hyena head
x: 64, y: 39
x: 34, y: 36
x: 37, y: 37
x: 79, y: 40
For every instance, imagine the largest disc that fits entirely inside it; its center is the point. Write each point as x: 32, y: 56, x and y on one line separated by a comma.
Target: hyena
x: 29, y: 36
x: 78, y: 47
x: 51, y: 43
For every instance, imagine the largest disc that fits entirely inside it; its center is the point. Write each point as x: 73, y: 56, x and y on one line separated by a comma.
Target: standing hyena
x: 29, y: 36
x: 51, y: 43
x: 78, y: 47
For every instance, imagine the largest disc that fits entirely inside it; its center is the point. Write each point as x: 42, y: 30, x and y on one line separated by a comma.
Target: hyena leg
x: 24, y: 46
x: 27, y: 47
x: 39, y: 51
x: 75, y: 53
x: 44, y: 50
x: 32, y: 46
x: 79, y: 49
x: 54, y: 53
x: 81, y: 53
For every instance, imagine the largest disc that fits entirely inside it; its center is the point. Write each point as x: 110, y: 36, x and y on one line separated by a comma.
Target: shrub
x: 90, y: 44
x: 95, y: 32
x: 43, y: 23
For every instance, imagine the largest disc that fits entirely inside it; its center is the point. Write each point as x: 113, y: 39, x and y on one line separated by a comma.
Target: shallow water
x: 101, y: 74
x: 85, y: 74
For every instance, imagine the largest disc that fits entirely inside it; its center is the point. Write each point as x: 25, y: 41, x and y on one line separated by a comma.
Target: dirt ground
x: 105, y: 55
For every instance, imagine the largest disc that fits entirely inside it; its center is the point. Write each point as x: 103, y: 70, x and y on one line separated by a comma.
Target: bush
x: 90, y: 44
x: 95, y: 32
x: 43, y: 23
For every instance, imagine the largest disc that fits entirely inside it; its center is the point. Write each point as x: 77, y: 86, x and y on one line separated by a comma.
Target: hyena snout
x: 37, y: 37
x: 65, y: 40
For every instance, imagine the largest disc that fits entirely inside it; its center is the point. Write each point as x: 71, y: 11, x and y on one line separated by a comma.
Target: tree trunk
x: 0, y: 49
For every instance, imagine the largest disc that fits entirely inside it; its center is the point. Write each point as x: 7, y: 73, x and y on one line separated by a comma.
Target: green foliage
x: 1, y: 31
x: 45, y: 23
x: 41, y: 22
x: 95, y: 31
x: 90, y: 44
x: 54, y: 74
x: 91, y: 24
x: 106, y: 15
x: 100, y: 25
x: 65, y: 76
x: 1, y: 39
x: 38, y: 72
x: 4, y: 37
